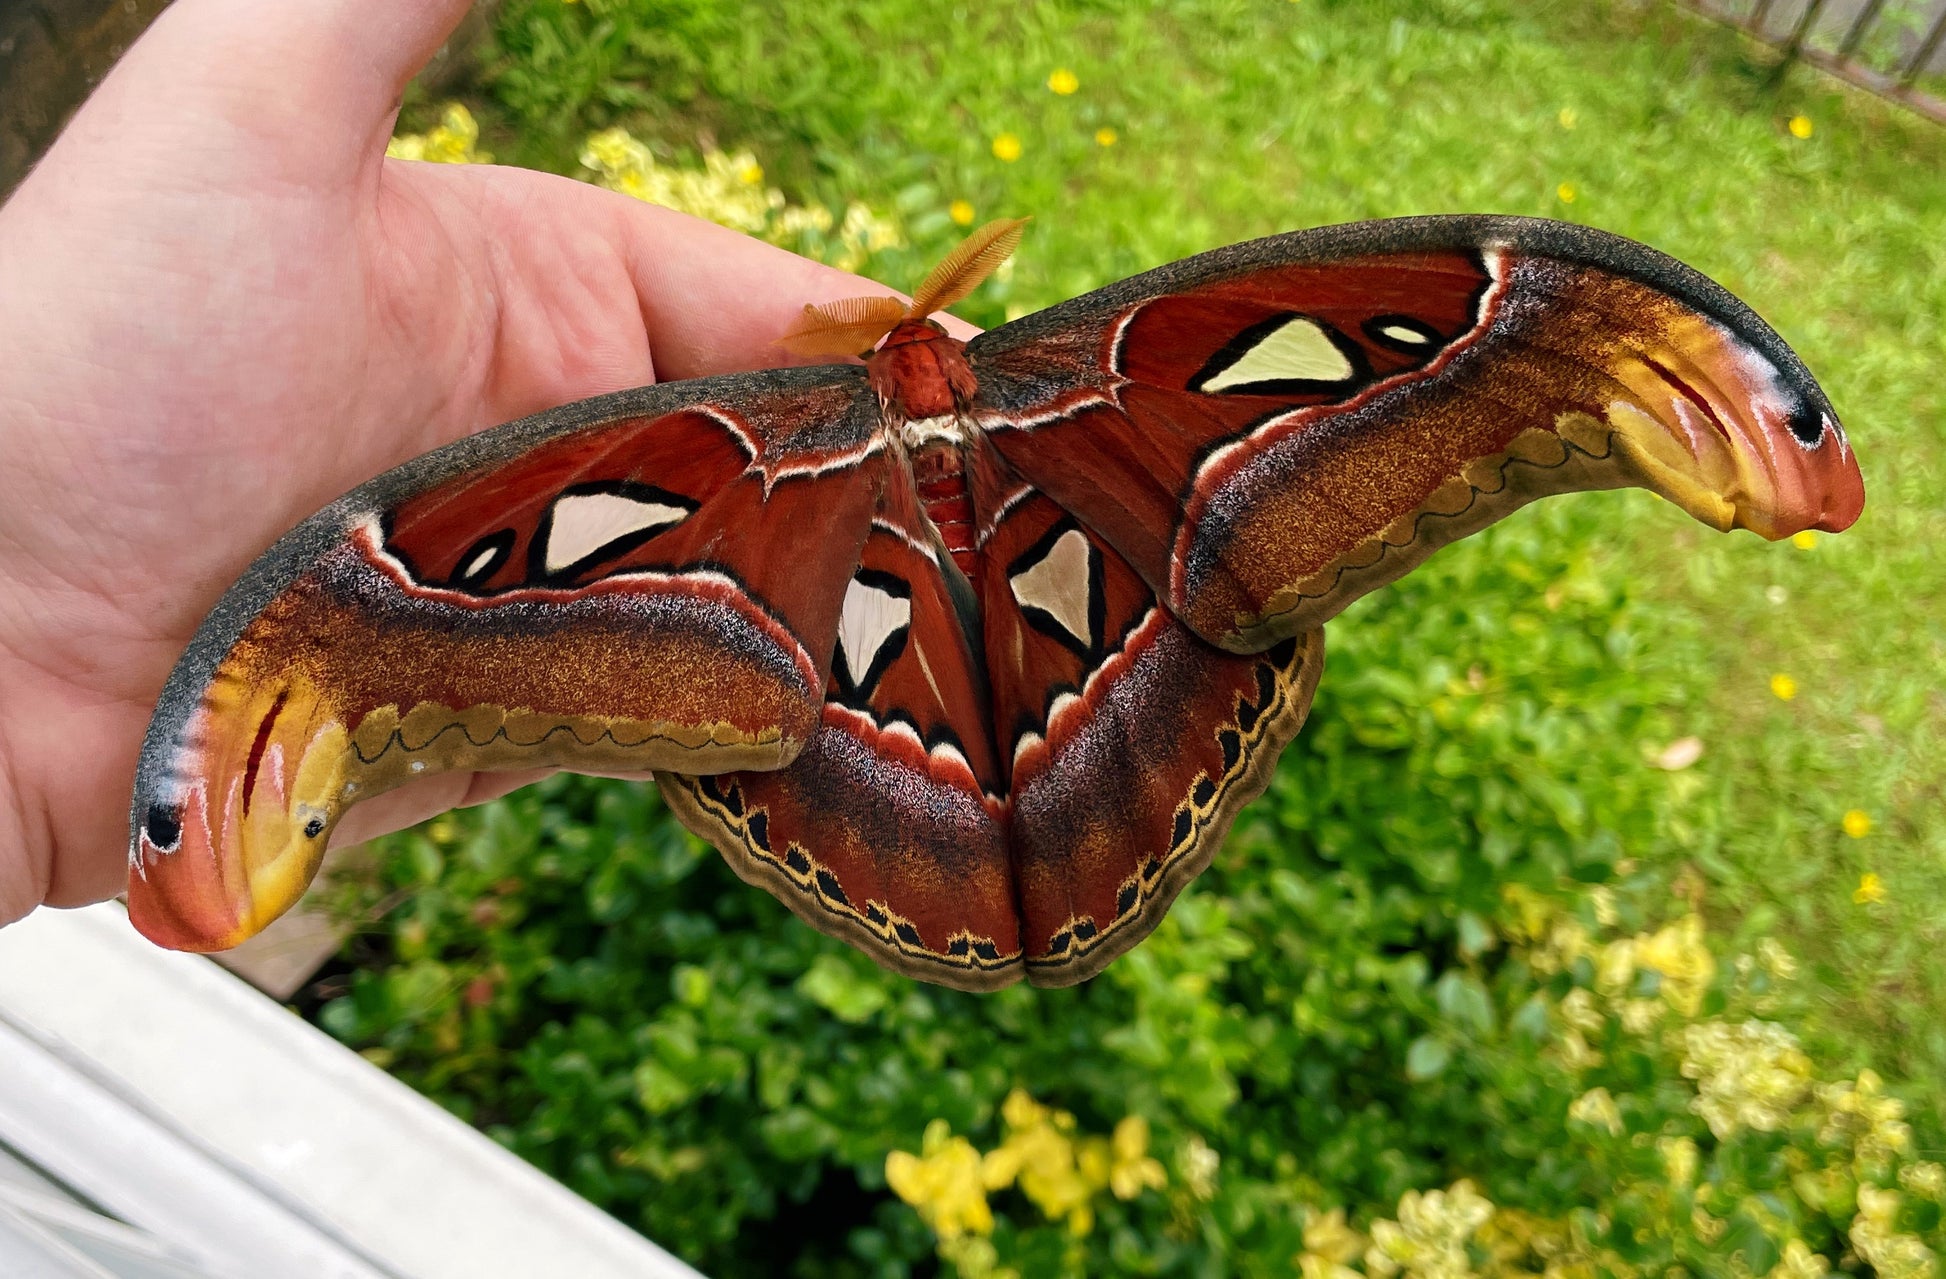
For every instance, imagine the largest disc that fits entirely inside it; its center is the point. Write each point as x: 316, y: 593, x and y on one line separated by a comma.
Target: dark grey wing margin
x: 1463, y: 232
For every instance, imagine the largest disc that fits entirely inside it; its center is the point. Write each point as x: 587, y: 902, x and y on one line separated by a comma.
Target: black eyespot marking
x: 1181, y: 833
x: 1126, y: 899
x: 314, y: 828
x: 986, y: 950
x: 908, y: 934
x: 828, y: 885
x: 163, y: 826
x: 1203, y: 792
x: 1807, y: 424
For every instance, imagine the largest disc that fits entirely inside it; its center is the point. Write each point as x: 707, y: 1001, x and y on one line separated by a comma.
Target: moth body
x: 924, y: 386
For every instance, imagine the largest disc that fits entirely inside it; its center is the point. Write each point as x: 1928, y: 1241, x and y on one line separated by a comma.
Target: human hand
x: 224, y: 307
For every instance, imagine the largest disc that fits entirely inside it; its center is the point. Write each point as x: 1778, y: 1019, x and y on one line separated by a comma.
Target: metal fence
x: 1894, y: 48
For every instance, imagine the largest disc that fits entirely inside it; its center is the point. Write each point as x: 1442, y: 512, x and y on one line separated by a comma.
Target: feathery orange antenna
x: 845, y: 327
x: 853, y: 326
x: 974, y: 260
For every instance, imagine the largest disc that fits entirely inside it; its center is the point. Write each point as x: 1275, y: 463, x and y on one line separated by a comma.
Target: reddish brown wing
x: 1268, y: 431
x: 1132, y: 744
x: 888, y: 831
x: 948, y: 850
x: 609, y: 588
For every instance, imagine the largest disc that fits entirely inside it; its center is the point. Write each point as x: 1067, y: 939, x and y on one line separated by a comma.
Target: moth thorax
x: 944, y: 430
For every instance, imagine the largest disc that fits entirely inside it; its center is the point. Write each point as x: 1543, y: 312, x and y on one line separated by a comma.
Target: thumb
x: 311, y: 86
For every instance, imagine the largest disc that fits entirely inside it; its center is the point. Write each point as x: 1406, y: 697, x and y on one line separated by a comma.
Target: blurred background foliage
x: 1593, y: 924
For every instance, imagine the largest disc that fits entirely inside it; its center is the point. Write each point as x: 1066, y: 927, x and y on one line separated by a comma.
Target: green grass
x: 1487, y: 721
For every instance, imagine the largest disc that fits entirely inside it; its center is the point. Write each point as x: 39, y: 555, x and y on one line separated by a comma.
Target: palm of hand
x: 216, y: 332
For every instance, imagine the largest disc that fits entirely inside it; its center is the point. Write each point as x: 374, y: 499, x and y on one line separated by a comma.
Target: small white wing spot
x: 480, y: 561
x: 1400, y: 333
x: 1297, y: 350
x: 1058, y: 585
x: 583, y: 523
x: 870, y: 617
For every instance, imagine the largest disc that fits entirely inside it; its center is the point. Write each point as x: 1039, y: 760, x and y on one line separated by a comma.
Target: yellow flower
x: 1890, y: 1253
x: 1309, y: 1264
x: 1925, y: 1179
x: 1578, y: 1010
x: 1200, y: 1164
x: 1059, y: 1174
x: 1006, y: 147
x: 1429, y: 1238
x: 1857, y: 1113
x: 1063, y: 81
x: 1132, y: 1170
x: 975, y: 1257
x: 1567, y: 117
x: 1597, y: 1109
x: 1709, y: 1229
x: 1329, y: 1246
x: 1799, y: 1262
x: 942, y: 1182
x: 1327, y: 1235
x: 1804, y: 539
x: 1776, y: 959
x: 961, y: 212
x: 1106, y: 137
x: 1679, y: 1159
x: 452, y: 141
x: 1858, y: 823
x: 1800, y: 126
x: 1783, y: 686
x: 1677, y: 953
x: 1747, y: 1076
x: 1640, y: 1016
x: 1565, y: 192
x: 1870, y: 889
x: 727, y: 189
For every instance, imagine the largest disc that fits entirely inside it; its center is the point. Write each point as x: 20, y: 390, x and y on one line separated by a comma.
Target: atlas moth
x: 970, y: 654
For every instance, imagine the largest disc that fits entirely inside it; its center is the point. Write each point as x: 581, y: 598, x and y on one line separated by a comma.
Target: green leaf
x: 660, y: 1089
x: 834, y: 985
x: 1426, y: 1058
